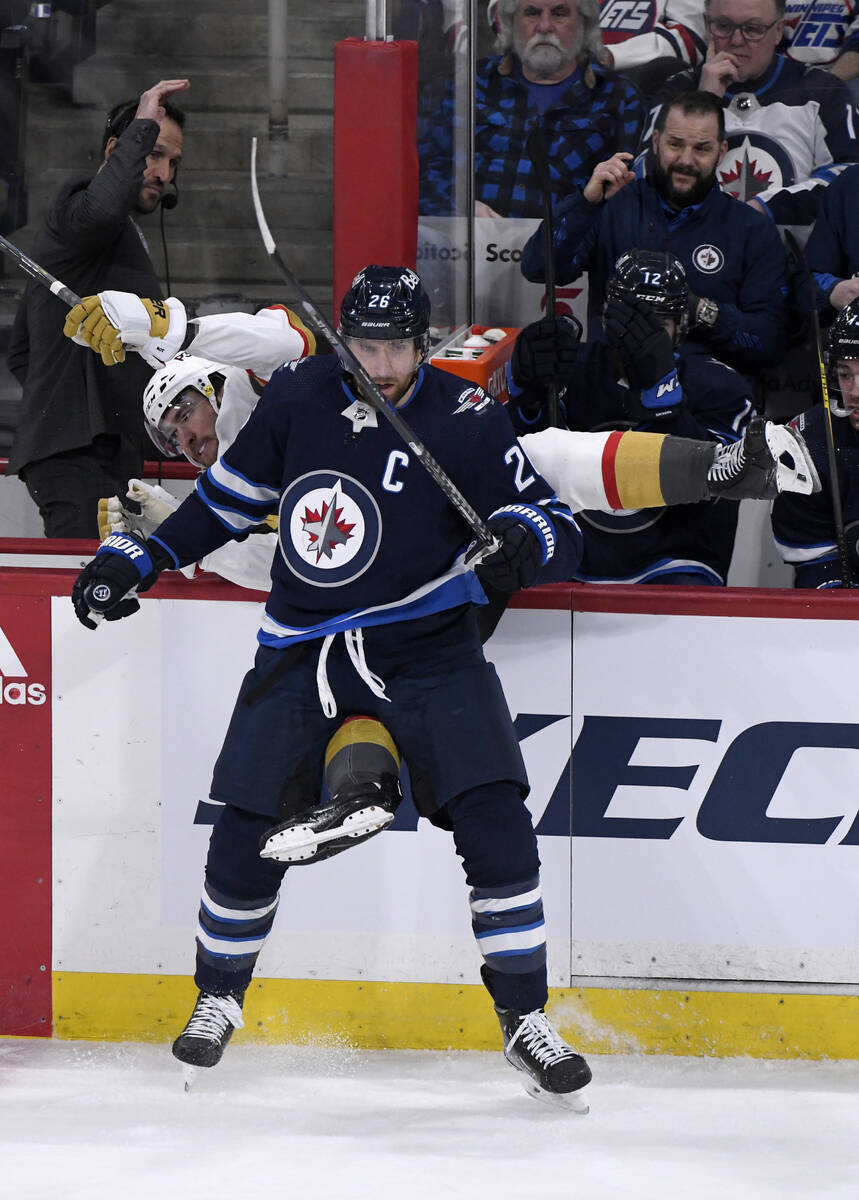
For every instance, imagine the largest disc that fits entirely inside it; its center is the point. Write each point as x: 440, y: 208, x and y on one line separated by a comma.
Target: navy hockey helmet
x: 386, y: 303
x: 843, y: 342
x: 655, y: 276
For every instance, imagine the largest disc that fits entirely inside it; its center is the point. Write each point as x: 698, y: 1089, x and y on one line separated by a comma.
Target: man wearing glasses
x: 790, y: 129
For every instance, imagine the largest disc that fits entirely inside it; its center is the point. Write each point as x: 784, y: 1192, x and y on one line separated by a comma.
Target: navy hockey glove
x: 642, y: 341
x: 545, y: 351
x: 108, y: 586
x: 516, y: 562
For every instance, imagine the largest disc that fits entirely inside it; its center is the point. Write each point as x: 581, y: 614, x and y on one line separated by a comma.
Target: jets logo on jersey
x: 473, y: 399
x: 708, y: 258
x: 751, y: 164
x: 329, y: 528
x: 621, y: 19
x: 13, y: 675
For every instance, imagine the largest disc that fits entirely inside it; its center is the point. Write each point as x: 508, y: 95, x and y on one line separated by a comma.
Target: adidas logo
x: 16, y: 690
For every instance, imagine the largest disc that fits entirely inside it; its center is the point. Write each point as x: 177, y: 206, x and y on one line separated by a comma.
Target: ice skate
x: 210, y: 1026
x: 321, y: 832
x: 554, y: 1073
x: 769, y: 459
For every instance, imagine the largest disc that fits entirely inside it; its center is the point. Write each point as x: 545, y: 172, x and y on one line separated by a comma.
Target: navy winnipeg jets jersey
x: 366, y: 536
x: 804, y: 526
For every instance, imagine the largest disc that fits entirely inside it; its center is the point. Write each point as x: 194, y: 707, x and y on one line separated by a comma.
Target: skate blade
x: 302, y: 841
x: 189, y: 1074
x: 795, y: 469
x: 566, y: 1101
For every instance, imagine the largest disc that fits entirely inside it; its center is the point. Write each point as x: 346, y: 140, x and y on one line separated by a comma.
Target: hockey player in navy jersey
x: 635, y: 380
x: 804, y: 526
x: 371, y: 611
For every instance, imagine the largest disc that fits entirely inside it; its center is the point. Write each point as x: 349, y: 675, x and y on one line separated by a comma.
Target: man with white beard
x: 546, y: 73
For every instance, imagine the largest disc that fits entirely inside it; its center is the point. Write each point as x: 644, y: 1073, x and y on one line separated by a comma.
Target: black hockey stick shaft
x: 39, y: 273
x: 363, y: 382
x: 535, y: 147
x: 835, y: 490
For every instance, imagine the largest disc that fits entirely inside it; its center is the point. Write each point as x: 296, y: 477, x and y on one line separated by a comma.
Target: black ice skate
x: 554, y: 1072
x: 352, y: 817
x: 203, y: 1040
x: 768, y: 460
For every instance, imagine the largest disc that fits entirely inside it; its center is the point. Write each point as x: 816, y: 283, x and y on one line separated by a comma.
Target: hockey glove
x: 108, y: 586
x: 148, y: 505
x: 112, y: 322
x: 546, y: 351
x: 517, y: 561
x: 642, y: 341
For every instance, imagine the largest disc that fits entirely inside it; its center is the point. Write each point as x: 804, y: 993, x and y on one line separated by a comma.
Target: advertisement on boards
x: 25, y: 815
x: 712, y: 835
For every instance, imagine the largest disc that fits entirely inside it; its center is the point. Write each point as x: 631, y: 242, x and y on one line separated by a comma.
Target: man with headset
x: 80, y: 434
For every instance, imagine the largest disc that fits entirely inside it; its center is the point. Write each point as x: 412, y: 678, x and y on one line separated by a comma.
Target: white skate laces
x: 540, y: 1040
x: 211, y: 1017
x: 728, y: 463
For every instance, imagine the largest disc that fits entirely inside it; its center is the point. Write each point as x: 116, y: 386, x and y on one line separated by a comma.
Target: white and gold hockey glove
x: 155, y: 503
x: 113, y: 322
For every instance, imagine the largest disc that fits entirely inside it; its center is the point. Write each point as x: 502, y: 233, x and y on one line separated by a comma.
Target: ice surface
x: 96, y: 1121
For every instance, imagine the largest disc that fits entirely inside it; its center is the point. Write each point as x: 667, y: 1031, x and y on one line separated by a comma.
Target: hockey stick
x: 40, y: 274
x: 365, y: 385
x: 535, y: 148
x: 837, y: 511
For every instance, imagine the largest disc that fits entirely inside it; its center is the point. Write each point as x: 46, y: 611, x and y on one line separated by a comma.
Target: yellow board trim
x: 436, y: 1016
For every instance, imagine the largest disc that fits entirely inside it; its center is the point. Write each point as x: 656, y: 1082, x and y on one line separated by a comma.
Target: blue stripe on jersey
x: 664, y: 566
x: 234, y: 483
x: 445, y: 592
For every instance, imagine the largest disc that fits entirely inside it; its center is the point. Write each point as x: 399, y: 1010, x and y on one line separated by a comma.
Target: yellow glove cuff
x: 159, y: 317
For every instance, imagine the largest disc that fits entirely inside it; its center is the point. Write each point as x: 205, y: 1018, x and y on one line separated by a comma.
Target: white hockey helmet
x: 164, y: 391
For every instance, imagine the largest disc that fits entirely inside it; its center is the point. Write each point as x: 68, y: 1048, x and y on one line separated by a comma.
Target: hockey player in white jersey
x: 194, y: 406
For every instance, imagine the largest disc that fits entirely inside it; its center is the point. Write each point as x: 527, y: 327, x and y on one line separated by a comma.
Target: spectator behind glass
x: 790, y: 129
x: 81, y: 433
x: 733, y: 257
x: 545, y: 74
x: 647, y: 40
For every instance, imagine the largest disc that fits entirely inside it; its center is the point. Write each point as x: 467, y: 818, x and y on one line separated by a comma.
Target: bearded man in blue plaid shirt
x: 545, y: 74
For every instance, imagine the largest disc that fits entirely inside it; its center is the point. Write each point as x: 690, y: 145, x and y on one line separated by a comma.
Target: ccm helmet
x: 388, y: 303
x: 164, y: 390
x: 843, y: 342
x: 655, y: 276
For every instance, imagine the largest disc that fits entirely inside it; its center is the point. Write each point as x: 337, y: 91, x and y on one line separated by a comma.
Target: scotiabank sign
x: 25, y: 815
